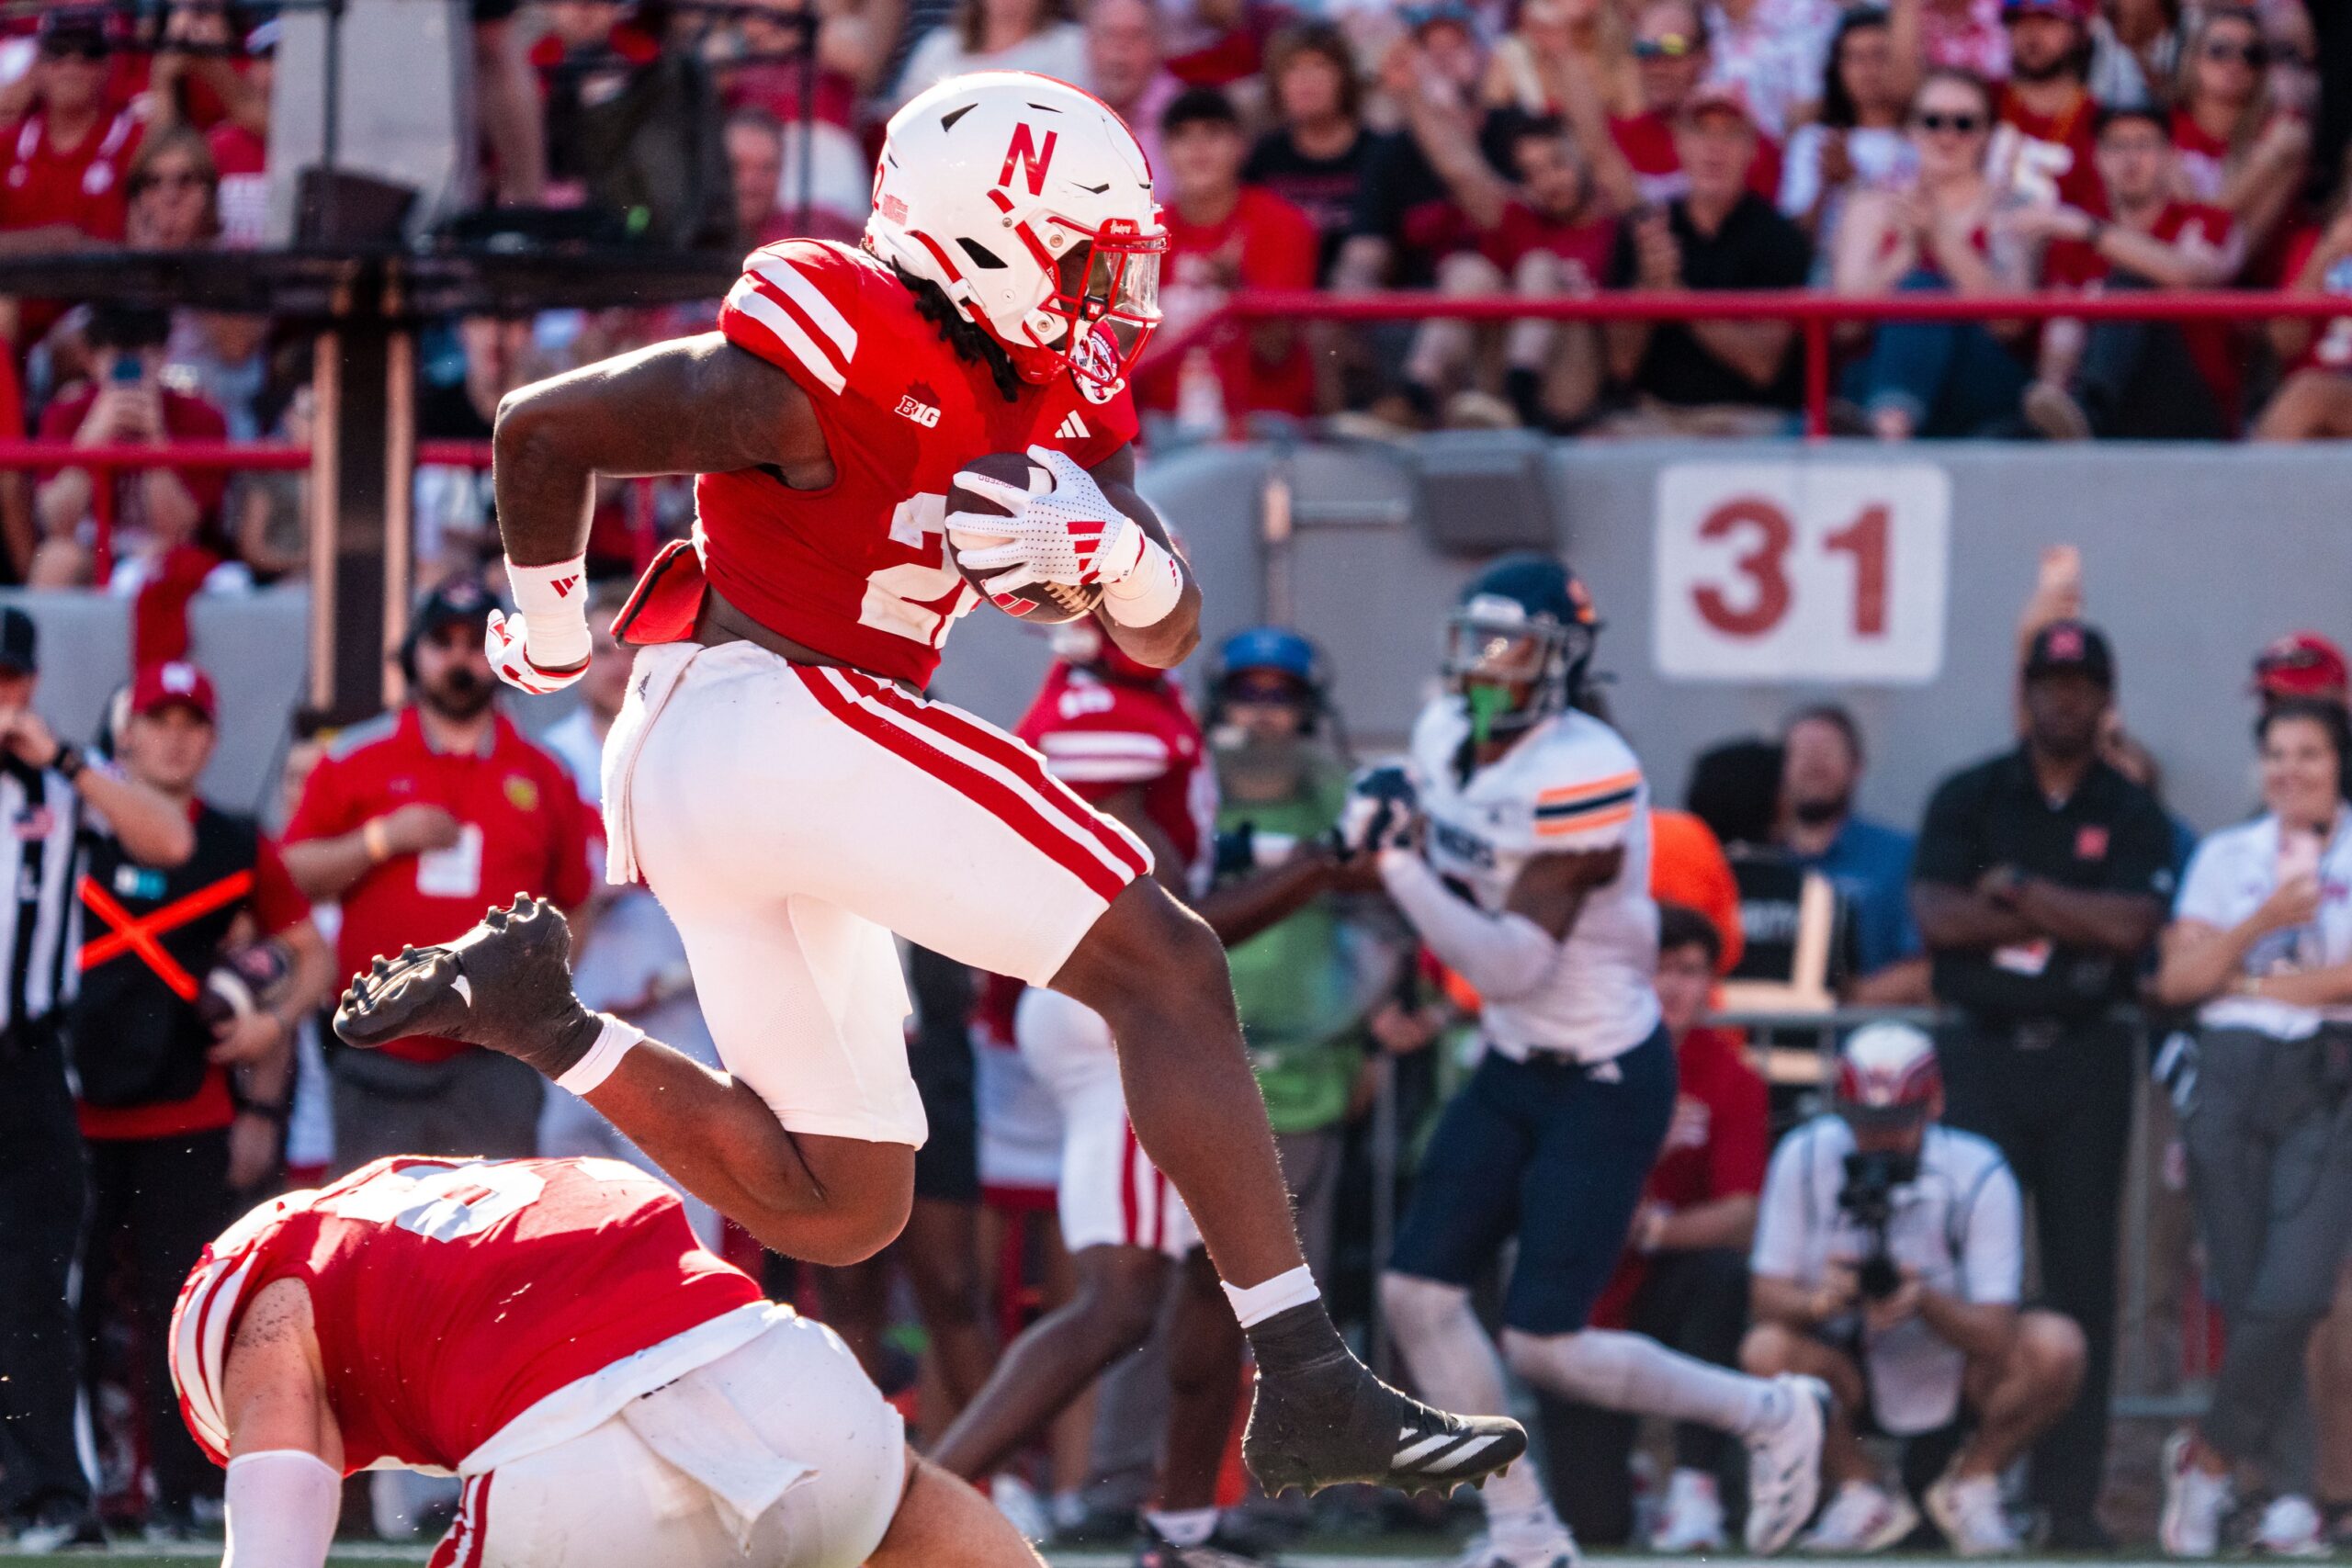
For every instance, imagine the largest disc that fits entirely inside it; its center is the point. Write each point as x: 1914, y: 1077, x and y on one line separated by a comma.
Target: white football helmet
x: 1029, y: 203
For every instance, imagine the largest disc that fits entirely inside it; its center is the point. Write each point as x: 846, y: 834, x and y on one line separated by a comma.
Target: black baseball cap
x: 2071, y: 646
x: 74, y: 29
x: 459, y: 601
x: 20, y: 642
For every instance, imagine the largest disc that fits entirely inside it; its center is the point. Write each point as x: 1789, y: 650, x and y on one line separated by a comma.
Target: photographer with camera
x: 1888, y: 1260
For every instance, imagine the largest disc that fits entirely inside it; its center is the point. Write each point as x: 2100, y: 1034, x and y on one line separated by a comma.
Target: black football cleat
x: 1330, y: 1422
x: 506, y: 985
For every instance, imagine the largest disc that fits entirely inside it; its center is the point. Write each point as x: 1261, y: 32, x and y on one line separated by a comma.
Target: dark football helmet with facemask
x: 1518, y: 645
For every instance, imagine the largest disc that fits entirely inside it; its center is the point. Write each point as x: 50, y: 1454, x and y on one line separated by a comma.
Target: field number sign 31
x: 1802, y: 571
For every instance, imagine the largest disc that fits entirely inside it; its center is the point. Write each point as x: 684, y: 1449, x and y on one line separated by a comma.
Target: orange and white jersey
x: 1571, y: 784
x: 858, y: 569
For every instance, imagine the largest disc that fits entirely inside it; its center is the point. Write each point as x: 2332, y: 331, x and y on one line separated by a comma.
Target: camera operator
x: 1889, y: 1254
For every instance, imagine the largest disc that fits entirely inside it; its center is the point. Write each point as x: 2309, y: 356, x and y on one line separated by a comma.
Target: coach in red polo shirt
x: 417, y: 822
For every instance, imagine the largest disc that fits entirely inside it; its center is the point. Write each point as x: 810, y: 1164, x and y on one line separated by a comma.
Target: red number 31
x: 1767, y: 537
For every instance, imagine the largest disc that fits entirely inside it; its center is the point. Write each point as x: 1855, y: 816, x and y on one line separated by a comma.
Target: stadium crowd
x: 1543, y: 148
x: 2036, y: 898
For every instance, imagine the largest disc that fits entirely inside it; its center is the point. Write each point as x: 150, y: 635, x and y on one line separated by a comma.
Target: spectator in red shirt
x: 1683, y: 1279
x: 182, y: 1119
x: 1318, y: 151
x: 241, y: 150
x: 755, y: 163
x: 1542, y: 236
x: 2047, y: 146
x: 1224, y: 235
x: 63, y: 183
x: 194, y: 78
x: 2314, y: 401
x: 2139, y: 380
x: 2238, y: 150
x: 1637, y: 158
x: 159, y: 513
x: 416, y: 823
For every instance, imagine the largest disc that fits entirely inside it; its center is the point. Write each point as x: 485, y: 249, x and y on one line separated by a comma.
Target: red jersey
x: 523, y: 829
x: 186, y: 418
x: 1647, y: 142
x: 1102, y: 737
x: 1715, y: 1147
x: 2074, y: 264
x: 83, y: 186
x: 449, y: 1297
x: 858, y: 569
x: 242, y: 160
x: 1521, y: 231
x: 2051, y: 157
x: 1264, y: 242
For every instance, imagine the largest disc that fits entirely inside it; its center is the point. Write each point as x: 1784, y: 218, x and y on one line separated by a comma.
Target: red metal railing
x: 1813, y: 315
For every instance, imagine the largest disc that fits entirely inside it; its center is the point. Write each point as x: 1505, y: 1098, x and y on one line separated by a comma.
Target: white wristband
x: 616, y: 1040
x: 1146, y: 595
x: 553, y: 602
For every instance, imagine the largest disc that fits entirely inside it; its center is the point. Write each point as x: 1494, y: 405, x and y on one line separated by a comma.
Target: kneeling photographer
x: 1888, y: 1260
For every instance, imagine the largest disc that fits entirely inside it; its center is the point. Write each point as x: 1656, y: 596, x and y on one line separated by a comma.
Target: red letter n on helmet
x: 1033, y: 160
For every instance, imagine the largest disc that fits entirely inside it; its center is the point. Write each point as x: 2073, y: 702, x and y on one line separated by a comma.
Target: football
x: 1041, y: 603
x: 244, y: 980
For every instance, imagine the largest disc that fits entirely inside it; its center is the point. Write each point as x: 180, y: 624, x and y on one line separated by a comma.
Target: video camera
x: 1868, y: 1199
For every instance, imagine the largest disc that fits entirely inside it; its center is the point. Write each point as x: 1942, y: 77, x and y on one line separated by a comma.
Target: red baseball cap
x: 176, y: 680
x: 2302, y: 664
x: 1724, y: 97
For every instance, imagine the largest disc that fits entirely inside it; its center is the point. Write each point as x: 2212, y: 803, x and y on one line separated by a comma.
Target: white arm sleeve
x: 1781, y: 1215
x: 1505, y: 956
x: 281, y: 1508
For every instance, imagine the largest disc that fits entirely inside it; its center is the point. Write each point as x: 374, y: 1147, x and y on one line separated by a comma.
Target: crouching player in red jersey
x: 549, y: 1331
x: 778, y: 780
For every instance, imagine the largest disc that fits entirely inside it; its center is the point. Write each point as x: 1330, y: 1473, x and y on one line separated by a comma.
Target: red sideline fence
x: 1813, y: 315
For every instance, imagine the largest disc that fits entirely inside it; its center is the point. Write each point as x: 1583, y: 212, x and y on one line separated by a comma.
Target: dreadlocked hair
x: 959, y: 332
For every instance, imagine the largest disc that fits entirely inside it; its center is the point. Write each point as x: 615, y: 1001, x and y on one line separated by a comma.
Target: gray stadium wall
x: 2193, y: 557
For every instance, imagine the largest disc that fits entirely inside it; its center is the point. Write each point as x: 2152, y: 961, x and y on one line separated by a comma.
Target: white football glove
x: 1066, y: 532
x: 1380, y: 811
x: 506, y: 644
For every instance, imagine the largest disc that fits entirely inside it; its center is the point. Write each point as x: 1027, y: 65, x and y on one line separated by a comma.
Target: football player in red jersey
x: 1121, y: 734
x: 549, y: 1331
x: 780, y: 782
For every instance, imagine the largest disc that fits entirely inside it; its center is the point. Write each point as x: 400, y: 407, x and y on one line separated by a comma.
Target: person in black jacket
x: 2040, y: 879
x: 178, y: 1114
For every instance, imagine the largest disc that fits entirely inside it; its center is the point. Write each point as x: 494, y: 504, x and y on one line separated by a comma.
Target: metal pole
x: 330, y: 130
x: 326, y: 513
x: 1384, y: 1199
x: 102, y: 514
x: 400, y: 494
x: 808, y: 159
x: 1276, y: 529
x: 1816, y: 380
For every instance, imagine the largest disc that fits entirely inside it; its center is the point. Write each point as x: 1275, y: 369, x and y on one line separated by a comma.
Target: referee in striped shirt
x: 50, y: 795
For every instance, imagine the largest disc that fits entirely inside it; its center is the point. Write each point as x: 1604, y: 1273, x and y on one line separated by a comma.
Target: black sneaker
x: 1322, y: 1419
x: 506, y: 985
x: 1223, y: 1549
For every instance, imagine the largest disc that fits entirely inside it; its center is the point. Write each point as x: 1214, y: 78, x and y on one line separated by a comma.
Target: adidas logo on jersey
x: 1072, y: 429
x: 923, y: 414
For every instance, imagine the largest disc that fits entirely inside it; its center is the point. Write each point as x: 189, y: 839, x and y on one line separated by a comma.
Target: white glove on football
x: 1066, y: 532
x: 506, y: 644
x: 1379, y: 813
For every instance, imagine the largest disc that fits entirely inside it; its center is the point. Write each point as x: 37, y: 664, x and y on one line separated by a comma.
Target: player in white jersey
x: 1517, y: 844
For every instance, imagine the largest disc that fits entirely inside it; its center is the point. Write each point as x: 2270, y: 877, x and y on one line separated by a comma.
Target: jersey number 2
x: 917, y: 599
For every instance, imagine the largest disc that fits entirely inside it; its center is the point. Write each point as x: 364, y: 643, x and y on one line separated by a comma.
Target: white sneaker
x: 1861, y: 1519
x: 1693, y: 1518
x: 1970, y: 1514
x: 1020, y: 1505
x: 2194, y: 1504
x: 1784, y: 1464
x: 1555, y: 1548
x: 2291, y: 1527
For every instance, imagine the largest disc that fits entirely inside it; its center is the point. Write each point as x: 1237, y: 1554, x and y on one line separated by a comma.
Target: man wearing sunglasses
x: 2048, y: 151
x: 1638, y: 164
x: 63, y: 183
